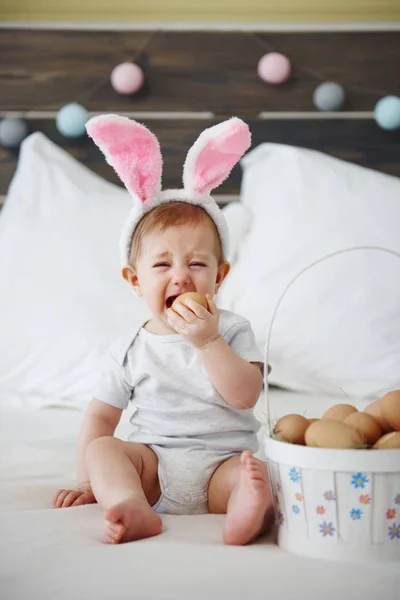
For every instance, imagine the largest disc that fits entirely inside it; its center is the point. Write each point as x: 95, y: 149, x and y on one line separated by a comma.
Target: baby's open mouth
x: 170, y: 300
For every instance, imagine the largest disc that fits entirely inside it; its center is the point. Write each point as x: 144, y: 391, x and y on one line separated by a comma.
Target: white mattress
x: 56, y: 554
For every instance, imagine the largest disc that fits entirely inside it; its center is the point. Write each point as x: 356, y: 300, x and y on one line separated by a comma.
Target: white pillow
x: 339, y: 324
x: 238, y: 217
x: 63, y: 299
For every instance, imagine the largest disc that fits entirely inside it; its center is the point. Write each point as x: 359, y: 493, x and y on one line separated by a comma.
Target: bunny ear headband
x: 135, y: 154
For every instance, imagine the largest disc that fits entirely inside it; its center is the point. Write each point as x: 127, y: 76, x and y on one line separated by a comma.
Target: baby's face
x: 180, y: 259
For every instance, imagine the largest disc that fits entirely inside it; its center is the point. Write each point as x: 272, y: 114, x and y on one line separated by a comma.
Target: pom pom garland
x: 12, y: 132
x: 274, y: 68
x: 71, y: 120
x: 127, y: 78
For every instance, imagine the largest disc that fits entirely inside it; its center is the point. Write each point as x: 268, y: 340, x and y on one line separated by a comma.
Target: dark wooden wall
x: 204, y: 71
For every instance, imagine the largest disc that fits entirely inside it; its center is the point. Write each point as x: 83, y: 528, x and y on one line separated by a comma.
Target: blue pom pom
x: 329, y: 96
x: 387, y: 112
x: 12, y: 132
x: 71, y: 120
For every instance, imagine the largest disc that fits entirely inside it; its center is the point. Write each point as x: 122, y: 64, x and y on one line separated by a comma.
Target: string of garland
x: 274, y: 68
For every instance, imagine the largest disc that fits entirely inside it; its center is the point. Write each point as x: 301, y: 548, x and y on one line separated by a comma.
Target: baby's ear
x: 132, y: 150
x: 214, y: 154
x: 223, y: 270
x: 129, y: 274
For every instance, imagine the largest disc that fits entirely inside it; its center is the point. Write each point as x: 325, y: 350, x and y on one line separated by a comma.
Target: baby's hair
x: 172, y: 214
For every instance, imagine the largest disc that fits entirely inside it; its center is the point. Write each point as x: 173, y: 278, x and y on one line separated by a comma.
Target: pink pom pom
x: 274, y: 68
x: 127, y: 78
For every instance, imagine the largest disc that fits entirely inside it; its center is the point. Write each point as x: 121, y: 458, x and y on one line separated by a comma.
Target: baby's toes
x: 257, y: 480
x: 114, y: 533
x: 119, y: 531
x: 113, y: 528
x: 110, y: 536
x: 250, y: 463
x: 255, y: 469
x: 245, y: 457
x: 109, y: 539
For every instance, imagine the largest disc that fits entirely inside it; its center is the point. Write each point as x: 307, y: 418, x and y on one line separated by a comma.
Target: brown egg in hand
x: 339, y: 412
x: 375, y: 409
x: 366, y: 425
x: 329, y: 433
x: 291, y: 429
x: 190, y: 296
x: 391, y: 408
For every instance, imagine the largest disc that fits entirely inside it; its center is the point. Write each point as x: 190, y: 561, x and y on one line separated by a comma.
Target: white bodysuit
x: 178, y: 412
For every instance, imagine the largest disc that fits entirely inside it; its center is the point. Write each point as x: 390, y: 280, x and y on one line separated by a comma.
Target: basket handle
x: 289, y: 285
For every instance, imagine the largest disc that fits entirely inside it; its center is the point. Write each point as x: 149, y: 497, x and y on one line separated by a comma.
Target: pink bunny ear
x: 132, y: 150
x: 214, y: 154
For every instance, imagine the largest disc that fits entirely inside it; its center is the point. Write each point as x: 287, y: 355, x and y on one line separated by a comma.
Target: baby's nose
x: 181, y: 276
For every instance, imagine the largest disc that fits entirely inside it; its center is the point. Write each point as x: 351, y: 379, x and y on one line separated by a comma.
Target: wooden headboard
x: 196, y: 78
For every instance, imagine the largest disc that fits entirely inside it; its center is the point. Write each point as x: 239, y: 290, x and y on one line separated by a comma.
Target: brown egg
x: 339, y: 412
x: 329, y: 433
x: 366, y: 425
x: 389, y: 441
x: 313, y: 420
x: 291, y: 428
x: 190, y: 296
x: 391, y: 408
x: 375, y: 409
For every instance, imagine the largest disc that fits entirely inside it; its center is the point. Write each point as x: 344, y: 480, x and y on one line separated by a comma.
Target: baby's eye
x: 161, y: 265
x: 197, y: 264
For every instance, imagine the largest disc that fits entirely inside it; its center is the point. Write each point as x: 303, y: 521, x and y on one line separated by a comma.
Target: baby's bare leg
x: 124, y: 480
x: 240, y: 488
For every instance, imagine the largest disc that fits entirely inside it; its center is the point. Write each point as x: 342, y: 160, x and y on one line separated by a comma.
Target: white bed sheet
x: 47, y: 553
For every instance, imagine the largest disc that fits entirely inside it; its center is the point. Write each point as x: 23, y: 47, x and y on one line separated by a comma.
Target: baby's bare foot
x: 131, y: 520
x: 250, y: 509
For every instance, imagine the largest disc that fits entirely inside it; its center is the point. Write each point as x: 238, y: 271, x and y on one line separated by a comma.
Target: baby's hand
x: 82, y: 495
x: 197, y: 324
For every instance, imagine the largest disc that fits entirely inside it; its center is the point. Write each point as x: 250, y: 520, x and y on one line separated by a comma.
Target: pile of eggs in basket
x: 343, y: 426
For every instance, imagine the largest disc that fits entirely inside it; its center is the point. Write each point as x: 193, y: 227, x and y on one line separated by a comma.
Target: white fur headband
x: 135, y: 154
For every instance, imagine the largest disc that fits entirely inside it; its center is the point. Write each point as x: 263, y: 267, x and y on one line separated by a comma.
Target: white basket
x: 339, y: 504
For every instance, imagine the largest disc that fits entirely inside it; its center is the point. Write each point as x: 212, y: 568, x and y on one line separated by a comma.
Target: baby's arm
x: 236, y: 380
x: 100, y: 420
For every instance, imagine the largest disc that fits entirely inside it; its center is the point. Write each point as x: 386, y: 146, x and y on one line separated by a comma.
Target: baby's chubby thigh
x: 117, y: 468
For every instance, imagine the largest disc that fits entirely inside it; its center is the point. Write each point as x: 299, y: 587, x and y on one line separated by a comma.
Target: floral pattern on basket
x: 356, y: 514
x: 359, y: 480
x: 334, y: 508
x: 329, y: 495
x: 327, y: 529
x: 394, y: 531
x: 294, y: 475
x: 365, y: 499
